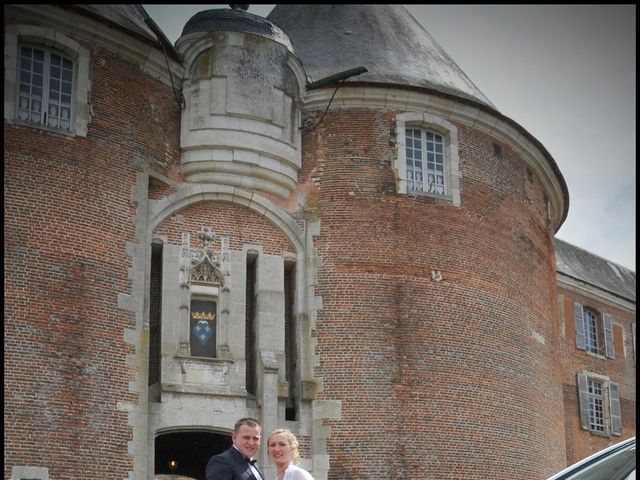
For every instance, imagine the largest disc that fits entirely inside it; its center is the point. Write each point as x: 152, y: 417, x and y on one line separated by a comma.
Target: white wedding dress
x: 293, y: 472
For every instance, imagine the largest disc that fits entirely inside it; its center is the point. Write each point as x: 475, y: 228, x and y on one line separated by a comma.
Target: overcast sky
x: 567, y: 74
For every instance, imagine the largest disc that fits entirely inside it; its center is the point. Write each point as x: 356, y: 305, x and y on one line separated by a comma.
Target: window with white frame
x: 599, y: 400
x: 45, y: 82
x: 427, y: 156
x: 425, y: 161
x: 594, y: 332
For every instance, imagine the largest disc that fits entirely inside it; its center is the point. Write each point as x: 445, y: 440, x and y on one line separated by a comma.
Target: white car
x: 617, y: 462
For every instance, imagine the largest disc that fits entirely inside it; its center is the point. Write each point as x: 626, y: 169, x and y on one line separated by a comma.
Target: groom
x: 237, y: 463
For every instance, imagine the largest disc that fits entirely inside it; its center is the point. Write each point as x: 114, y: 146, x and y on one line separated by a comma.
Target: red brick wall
x: 436, y: 379
x: 68, y: 217
x: 581, y: 443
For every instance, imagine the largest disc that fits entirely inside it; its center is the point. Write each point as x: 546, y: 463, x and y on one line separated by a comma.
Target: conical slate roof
x: 385, y: 39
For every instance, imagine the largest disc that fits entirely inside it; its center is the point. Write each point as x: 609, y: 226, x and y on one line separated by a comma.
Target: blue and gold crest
x: 202, y: 331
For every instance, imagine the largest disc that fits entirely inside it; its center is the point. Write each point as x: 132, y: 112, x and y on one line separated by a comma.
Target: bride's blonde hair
x: 291, y: 439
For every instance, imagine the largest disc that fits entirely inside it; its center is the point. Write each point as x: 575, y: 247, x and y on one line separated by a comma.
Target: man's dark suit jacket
x: 230, y: 465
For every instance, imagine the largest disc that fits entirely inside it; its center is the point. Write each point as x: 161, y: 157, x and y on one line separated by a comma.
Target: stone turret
x: 242, y: 88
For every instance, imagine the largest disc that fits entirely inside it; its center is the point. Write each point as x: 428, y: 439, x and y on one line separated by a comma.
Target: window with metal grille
x: 425, y: 161
x: 45, y: 84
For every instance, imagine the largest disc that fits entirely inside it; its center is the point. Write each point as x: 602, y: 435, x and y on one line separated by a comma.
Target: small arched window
x: 45, y: 87
x: 591, y: 331
x: 594, y: 332
x: 46, y: 80
x: 427, y: 156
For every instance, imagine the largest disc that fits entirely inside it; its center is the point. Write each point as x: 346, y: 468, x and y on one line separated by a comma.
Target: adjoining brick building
x: 597, y: 352
x: 249, y: 224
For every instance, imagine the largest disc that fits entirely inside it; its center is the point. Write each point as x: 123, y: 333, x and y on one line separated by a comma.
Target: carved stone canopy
x: 203, y: 266
x: 205, y: 269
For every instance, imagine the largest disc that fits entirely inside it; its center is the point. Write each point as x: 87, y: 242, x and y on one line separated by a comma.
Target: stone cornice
x: 466, y: 113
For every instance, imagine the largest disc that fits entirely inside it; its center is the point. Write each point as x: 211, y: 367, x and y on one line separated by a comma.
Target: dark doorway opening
x: 187, y: 453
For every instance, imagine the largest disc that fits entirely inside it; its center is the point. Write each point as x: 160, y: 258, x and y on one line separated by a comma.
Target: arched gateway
x: 184, y: 455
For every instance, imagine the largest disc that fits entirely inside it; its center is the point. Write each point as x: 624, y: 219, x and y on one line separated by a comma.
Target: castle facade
x: 314, y: 219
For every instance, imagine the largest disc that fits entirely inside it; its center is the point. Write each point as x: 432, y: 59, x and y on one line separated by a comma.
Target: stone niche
x: 242, y: 112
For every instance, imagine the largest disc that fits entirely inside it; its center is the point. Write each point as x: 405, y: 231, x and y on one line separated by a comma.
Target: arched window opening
x: 592, y: 333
